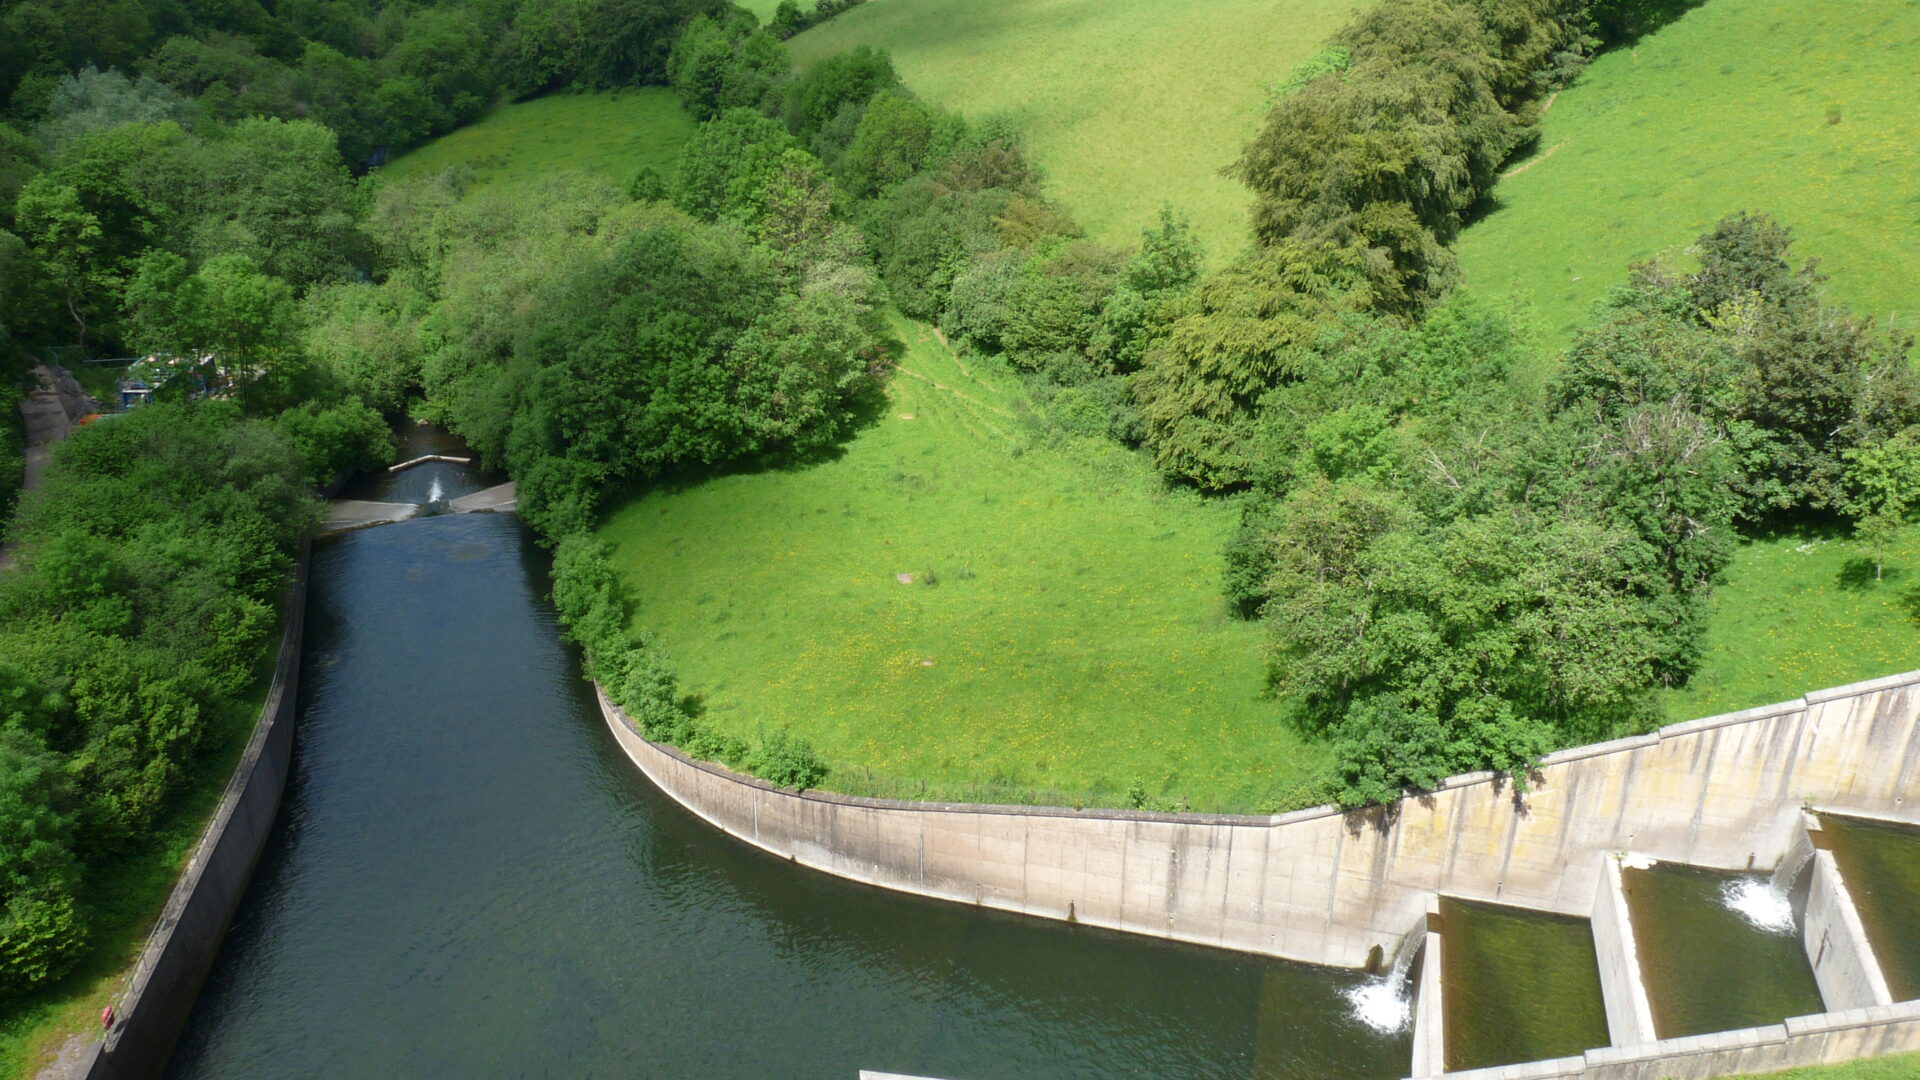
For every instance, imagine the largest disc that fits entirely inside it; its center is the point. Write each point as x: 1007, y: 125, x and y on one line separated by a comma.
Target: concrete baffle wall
x: 179, y: 952
x: 1844, y: 966
x: 1429, y: 1006
x: 1324, y: 886
x: 1622, y: 981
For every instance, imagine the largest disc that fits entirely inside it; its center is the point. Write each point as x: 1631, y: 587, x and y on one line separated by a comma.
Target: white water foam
x: 1760, y: 904
x: 434, y: 491
x: 1383, y: 1003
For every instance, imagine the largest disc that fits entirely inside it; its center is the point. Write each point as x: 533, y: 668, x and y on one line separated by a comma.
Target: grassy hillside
x: 613, y: 135
x: 1127, y: 104
x: 1801, y: 614
x: 1063, y: 632
x: 1775, y: 105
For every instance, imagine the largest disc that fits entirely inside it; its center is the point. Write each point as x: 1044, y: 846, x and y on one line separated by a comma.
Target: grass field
x: 1803, y: 110
x: 1063, y: 637
x: 1802, y: 614
x: 1896, y: 1067
x: 1126, y: 104
x: 613, y: 135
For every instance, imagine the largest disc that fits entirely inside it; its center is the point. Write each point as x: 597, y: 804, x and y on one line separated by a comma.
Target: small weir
x: 468, y: 879
x: 1880, y: 862
x: 1519, y: 985
x: 1718, y: 951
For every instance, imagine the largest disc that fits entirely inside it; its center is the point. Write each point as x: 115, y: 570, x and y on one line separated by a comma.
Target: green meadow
x: 1804, y: 613
x: 1126, y: 104
x: 613, y: 135
x: 1803, y: 110
x: 1059, y: 634
x: 1895, y: 1067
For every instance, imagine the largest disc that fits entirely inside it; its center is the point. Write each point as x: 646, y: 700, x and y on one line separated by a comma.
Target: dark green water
x: 469, y: 880
x: 1518, y: 985
x: 1880, y: 863
x: 1707, y: 966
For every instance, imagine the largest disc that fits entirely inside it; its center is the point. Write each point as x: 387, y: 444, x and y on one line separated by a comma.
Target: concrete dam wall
x: 1328, y: 887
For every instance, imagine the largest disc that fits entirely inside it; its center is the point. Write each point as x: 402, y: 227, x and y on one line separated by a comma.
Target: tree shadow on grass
x: 1859, y: 573
x: 1622, y: 23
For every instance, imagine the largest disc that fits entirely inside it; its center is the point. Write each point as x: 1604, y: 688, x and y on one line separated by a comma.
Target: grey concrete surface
x: 1844, y: 966
x: 346, y: 515
x: 499, y: 499
x: 1429, y: 1011
x: 1622, y: 984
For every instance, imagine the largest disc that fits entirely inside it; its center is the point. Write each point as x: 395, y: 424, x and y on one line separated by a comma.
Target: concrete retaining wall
x: 1843, y: 962
x: 1802, y: 1040
x: 1622, y: 986
x: 1323, y: 886
x: 1429, y: 1010
x: 180, y: 951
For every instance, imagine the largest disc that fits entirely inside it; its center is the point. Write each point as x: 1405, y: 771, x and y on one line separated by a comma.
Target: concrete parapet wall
x: 1622, y: 986
x: 1844, y: 966
x: 1801, y: 1040
x: 180, y: 950
x: 1430, y: 1012
x: 1324, y: 886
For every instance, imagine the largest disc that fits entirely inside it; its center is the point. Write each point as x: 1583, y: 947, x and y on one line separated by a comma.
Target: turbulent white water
x: 435, y: 491
x: 1760, y: 904
x: 1384, y: 1004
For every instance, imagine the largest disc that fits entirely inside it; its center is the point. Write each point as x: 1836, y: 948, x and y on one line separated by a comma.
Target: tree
x: 844, y: 81
x: 92, y: 100
x: 76, y: 253
x: 1236, y: 336
x: 226, y: 323
x: 726, y: 166
x: 1884, y: 492
x: 1427, y: 650
x: 897, y: 136
x: 41, y: 930
x: 723, y: 63
x: 277, y: 192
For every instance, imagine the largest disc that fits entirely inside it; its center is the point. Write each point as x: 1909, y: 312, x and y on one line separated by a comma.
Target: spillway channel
x: 467, y: 879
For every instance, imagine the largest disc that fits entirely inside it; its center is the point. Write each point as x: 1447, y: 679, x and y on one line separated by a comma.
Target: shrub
x: 786, y: 760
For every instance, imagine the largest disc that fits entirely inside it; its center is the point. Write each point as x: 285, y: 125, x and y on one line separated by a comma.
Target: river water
x: 468, y: 879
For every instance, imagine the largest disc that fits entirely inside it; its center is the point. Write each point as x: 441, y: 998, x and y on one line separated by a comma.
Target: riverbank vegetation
x: 150, y: 570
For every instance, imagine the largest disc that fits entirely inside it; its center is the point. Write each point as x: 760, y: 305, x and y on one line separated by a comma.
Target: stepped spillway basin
x: 1880, y: 862
x: 1518, y: 985
x: 1718, y: 951
x: 469, y: 879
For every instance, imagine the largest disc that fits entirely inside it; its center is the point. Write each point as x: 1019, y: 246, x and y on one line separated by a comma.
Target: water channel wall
x: 1429, y: 1012
x: 1836, y: 942
x: 1629, y: 1011
x: 1799, y: 1041
x: 1324, y: 886
x: 151, y: 1014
